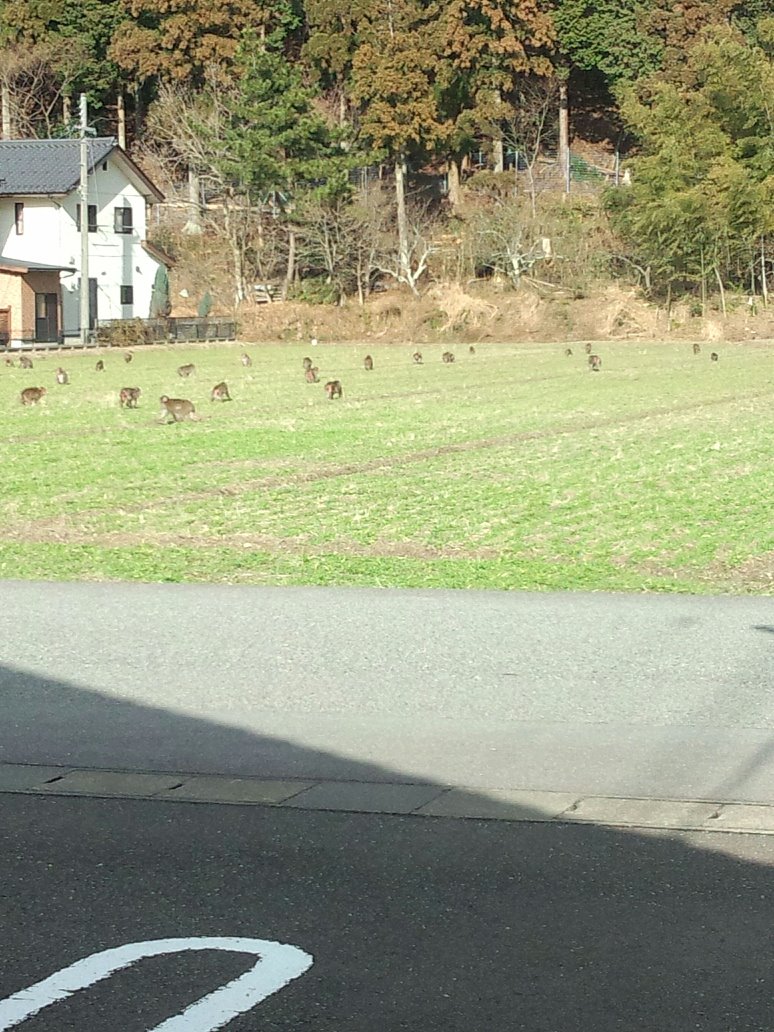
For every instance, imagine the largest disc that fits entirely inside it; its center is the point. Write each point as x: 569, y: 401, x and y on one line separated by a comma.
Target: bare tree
x: 530, y: 126
x: 409, y: 262
x: 504, y: 239
x: 34, y: 85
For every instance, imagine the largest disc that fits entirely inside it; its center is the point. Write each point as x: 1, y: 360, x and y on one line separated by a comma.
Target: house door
x: 46, y: 317
x: 93, y: 314
x: 5, y: 327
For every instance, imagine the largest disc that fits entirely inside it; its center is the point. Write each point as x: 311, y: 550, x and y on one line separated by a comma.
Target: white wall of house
x: 50, y: 236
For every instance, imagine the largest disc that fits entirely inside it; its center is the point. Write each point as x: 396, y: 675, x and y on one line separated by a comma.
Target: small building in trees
x: 40, y: 245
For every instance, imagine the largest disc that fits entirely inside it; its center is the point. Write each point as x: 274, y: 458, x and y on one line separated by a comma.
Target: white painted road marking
x: 278, y: 964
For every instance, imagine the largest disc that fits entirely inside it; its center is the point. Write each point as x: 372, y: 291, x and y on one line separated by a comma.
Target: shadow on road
x: 429, y: 924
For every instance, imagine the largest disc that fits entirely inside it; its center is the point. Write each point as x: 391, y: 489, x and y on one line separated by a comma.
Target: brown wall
x: 17, y: 292
x: 11, y: 297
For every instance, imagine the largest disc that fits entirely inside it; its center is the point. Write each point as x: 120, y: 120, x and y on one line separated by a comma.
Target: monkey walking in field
x: 447, y: 357
x: 714, y: 356
x: 587, y: 347
x: 306, y: 363
x: 568, y: 352
x: 246, y: 360
x: 128, y: 356
x: 185, y: 370
x: 471, y: 350
x: 310, y: 375
x: 696, y: 349
x: 176, y: 410
x: 595, y: 363
x: 417, y: 356
x: 100, y: 366
x: 333, y: 389
x: 220, y: 392
x: 32, y: 395
x: 25, y: 362
x: 368, y: 363
x: 8, y: 361
x: 61, y: 376
x: 129, y: 396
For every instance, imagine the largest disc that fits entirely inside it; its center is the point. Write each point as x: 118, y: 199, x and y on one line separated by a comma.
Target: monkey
x: 368, y: 362
x: 471, y: 350
x: 129, y: 397
x: 333, y: 389
x: 8, y: 361
x: 307, y: 363
x: 186, y: 370
x: 311, y: 375
x: 128, y: 356
x: 100, y: 366
x: 32, y: 395
x: 220, y: 392
x: 61, y: 376
x: 595, y: 363
x: 417, y: 356
x: 587, y: 347
x: 448, y: 357
x: 568, y: 352
x: 696, y: 349
x: 714, y: 356
x: 25, y: 362
x: 246, y: 360
x: 178, y: 408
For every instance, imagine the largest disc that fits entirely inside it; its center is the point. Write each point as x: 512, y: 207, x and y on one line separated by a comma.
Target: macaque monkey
x: 714, y: 356
x: 61, y: 376
x: 307, y: 363
x: 220, y: 392
x: 186, y: 370
x: 696, y: 349
x: 178, y: 408
x: 587, y: 347
x: 8, y: 361
x: 333, y: 389
x: 311, y: 375
x: 448, y: 357
x: 32, y: 395
x: 25, y: 362
x: 368, y: 362
x: 595, y: 363
x: 129, y: 397
x: 128, y: 356
x: 100, y: 366
x: 471, y: 350
x: 417, y: 356
x: 246, y: 360
x: 568, y: 352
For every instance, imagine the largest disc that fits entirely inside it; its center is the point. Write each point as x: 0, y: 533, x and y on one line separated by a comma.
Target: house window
x: 92, y: 218
x: 122, y: 220
x: 127, y: 295
x: 18, y: 210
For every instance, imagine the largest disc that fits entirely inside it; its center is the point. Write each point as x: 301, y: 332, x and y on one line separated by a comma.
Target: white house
x: 40, y: 246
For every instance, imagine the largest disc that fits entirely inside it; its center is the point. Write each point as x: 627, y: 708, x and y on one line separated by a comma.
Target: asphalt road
x: 412, y: 923
x: 653, y: 696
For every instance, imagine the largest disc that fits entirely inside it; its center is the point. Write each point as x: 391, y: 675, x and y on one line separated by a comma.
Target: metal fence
x: 170, y: 330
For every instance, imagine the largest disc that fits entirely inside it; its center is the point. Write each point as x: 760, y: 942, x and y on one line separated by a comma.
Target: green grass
x: 513, y: 468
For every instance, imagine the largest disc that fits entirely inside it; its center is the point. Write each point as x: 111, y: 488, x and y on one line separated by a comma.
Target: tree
x: 252, y: 142
x: 700, y: 205
x: 611, y: 37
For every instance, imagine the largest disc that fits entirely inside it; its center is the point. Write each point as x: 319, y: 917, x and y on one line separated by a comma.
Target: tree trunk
x: 5, y: 101
x: 237, y: 253
x: 139, y: 109
x: 764, y: 280
x: 564, y: 135
x: 454, y: 182
x: 66, y: 108
x: 193, y: 225
x: 404, y: 259
x: 290, y: 272
x: 121, y: 117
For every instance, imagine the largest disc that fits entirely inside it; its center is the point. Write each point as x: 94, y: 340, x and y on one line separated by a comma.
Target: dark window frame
x: 127, y: 294
x: 123, y: 220
x: 92, y: 215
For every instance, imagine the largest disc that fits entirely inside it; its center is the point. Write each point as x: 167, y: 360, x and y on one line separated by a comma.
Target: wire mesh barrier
x: 119, y: 332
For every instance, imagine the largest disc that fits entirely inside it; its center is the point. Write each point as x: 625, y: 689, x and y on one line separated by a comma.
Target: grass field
x: 512, y: 468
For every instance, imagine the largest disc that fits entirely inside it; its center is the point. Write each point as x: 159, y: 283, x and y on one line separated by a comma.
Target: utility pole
x: 84, y: 195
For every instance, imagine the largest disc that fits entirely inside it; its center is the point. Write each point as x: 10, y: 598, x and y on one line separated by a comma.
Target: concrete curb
x: 422, y: 800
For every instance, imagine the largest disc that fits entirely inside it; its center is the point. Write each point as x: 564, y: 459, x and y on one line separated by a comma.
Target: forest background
x: 322, y: 150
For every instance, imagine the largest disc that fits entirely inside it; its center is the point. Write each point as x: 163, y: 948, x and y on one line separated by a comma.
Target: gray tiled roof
x: 46, y: 166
